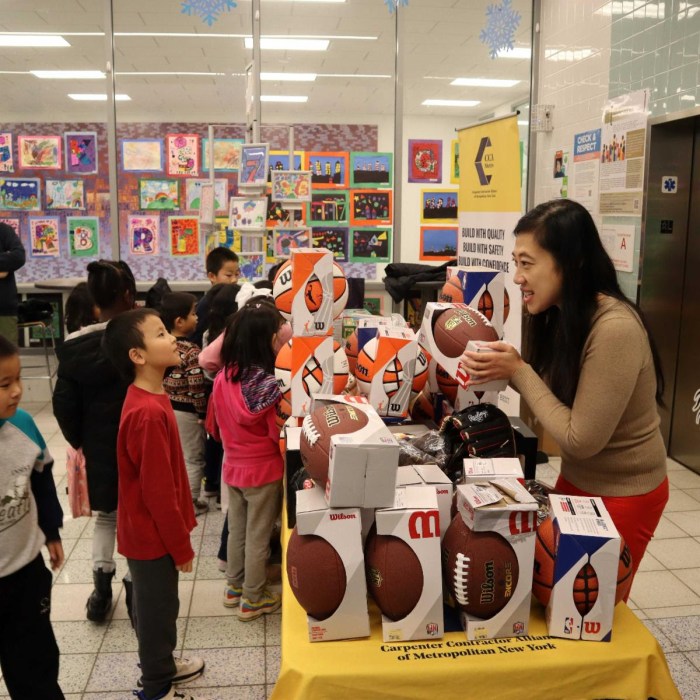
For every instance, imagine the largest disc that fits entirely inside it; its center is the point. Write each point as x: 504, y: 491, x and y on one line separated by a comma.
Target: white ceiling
x: 439, y: 42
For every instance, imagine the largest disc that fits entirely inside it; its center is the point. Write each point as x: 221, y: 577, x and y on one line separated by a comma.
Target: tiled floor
x: 98, y: 662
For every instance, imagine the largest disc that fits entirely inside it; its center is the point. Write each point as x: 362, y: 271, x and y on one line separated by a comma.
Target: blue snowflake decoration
x: 393, y: 4
x: 208, y: 10
x: 501, y: 23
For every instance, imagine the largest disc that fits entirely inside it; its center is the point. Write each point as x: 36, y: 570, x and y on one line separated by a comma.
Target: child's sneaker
x: 186, y: 670
x: 171, y: 694
x: 232, y: 596
x: 268, y: 603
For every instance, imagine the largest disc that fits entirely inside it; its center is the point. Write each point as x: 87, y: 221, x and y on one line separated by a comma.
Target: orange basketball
x: 422, y: 407
x: 506, y: 305
x: 485, y: 304
x: 365, y: 369
x: 420, y: 374
x: 585, y: 589
x: 451, y: 291
x: 351, y: 351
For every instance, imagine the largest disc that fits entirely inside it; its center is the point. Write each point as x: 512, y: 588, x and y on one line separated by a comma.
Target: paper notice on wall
x: 586, y: 169
x: 622, y: 154
x: 619, y: 241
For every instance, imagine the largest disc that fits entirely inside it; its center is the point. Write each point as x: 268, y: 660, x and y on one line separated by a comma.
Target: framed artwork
x: 439, y: 206
x: 370, y: 245
x: 40, y: 152
x: 270, y: 247
x: 81, y: 152
x: 182, y: 155
x: 143, y: 233
x: 438, y: 243
x: 7, y: 162
x: 333, y: 238
x: 329, y: 169
x: 65, y: 194
x: 159, y: 194
x: 193, y: 189
x: 288, y: 239
x: 373, y: 305
x: 83, y: 236
x: 12, y: 223
x: 278, y: 215
x: 370, y: 169
x: 184, y: 235
x: 22, y: 193
x: 279, y: 160
x: 291, y: 186
x: 43, y: 236
x: 252, y: 266
x: 221, y: 236
x: 247, y: 213
x: 454, y: 162
x: 370, y: 207
x: 424, y: 161
x: 253, y: 170
x: 227, y: 155
x: 328, y: 207
x: 142, y: 155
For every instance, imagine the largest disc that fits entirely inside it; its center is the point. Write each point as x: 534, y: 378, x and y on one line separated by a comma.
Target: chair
x: 46, y: 328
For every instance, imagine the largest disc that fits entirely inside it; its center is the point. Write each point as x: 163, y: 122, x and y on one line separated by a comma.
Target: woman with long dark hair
x: 590, y: 371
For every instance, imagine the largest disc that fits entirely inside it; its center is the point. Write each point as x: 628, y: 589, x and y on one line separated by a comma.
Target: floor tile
x: 690, y: 577
x: 667, y: 529
x: 679, y: 500
x: 695, y: 493
x: 73, y: 527
x: 68, y: 601
x: 76, y: 571
x: 208, y: 569
x: 272, y: 664
x: 114, y: 671
x: 694, y: 658
x: 241, y: 692
x: 121, y: 637
x: 680, y: 553
x: 688, y: 521
x: 222, y: 631
x: 664, y: 642
x: 209, y: 546
x: 650, y: 563
x: 74, y: 671
x: 672, y: 611
x: 214, y: 524
x: 207, y: 600
x: 82, y: 549
x: 273, y: 629
x: 684, y: 479
x: 78, y: 636
x: 684, y: 632
x: 685, y: 676
x: 230, y: 667
x: 647, y: 586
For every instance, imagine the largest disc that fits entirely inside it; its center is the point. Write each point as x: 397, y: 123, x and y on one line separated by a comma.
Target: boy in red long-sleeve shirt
x: 155, y: 514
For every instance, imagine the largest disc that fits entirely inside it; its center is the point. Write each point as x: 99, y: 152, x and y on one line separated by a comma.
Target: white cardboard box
x: 476, y: 470
x: 430, y: 475
x: 305, y: 265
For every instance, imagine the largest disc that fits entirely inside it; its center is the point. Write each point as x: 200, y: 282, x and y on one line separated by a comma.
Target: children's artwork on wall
x: 184, y: 235
x: 333, y: 238
x: 40, y: 152
x: 370, y: 207
x: 278, y: 215
x: 438, y: 243
x: 439, y: 205
x: 81, y: 152
x: 247, y: 213
x: 7, y: 162
x: 43, y: 236
x: 424, y: 161
x: 22, y: 193
x: 454, y: 162
x: 329, y: 169
x: 291, y: 186
x: 368, y: 169
x: 252, y: 267
x: 279, y: 160
x: 253, y: 170
x: 373, y: 305
x: 221, y: 236
x: 328, y: 207
x: 142, y: 155
x: 182, y: 154
x: 159, y: 194
x: 143, y: 232
x: 193, y: 189
x: 371, y: 245
x: 65, y: 194
x: 227, y: 155
x: 83, y: 236
x: 270, y: 247
x: 288, y: 239
x: 12, y: 223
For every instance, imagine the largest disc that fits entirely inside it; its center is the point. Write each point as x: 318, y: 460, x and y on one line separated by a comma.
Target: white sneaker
x: 187, y: 669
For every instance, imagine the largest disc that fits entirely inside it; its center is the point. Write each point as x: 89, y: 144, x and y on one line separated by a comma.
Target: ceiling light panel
x: 279, y: 44
x: 451, y: 103
x: 484, y: 82
x: 32, y: 40
x: 68, y: 74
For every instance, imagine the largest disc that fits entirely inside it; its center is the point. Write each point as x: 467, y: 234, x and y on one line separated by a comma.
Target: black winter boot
x: 100, y: 600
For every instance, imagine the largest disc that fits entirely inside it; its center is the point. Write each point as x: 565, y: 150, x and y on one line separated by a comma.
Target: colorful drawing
x: 328, y: 207
x: 438, y: 242
x: 83, y: 236
x: 424, y: 161
x: 81, y: 152
x: 370, y: 207
x: 143, y: 232
x: 247, y: 213
x: 12, y: 223
x: 329, y: 169
x: 182, y: 154
x: 22, y: 193
x: 279, y: 160
x: 142, y: 155
x: 43, y: 236
x: 277, y: 215
x: 193, y: 189
x: 370, y: 169
x: 253, y: 170
x: 65, y: 194
x: 288, y: 239
x: 333, y: 238
x: 252, y: 267
x: 439, y: 205
x: 222, y: 236
x: 454, y: 162
x: 227, y: 155
x: 7, y: 162
x: 371, y: 245
x: 291, y: 186
x: 184, y: 235
x: 40, y: 152
x: 159, y: 194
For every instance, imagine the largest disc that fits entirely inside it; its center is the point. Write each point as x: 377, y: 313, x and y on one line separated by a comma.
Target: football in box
x: 414, y: 519
x: 480, y: 288
x: 587, y: 536
x: 504, y: 507
x: 312, y: 273
x: 362, y: 465
x: 477, y: 470
x: 341, y: 528
x: 430, y: 475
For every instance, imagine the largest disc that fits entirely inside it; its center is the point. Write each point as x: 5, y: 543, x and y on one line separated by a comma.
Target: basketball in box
x: 325, y: 568
x: 367, y: 329
x: 476, y: 470
x: 430, y: 475
x: 585, y: 569
x: 488, y: 552
x: 312, y: 281
x: 401, y: 561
